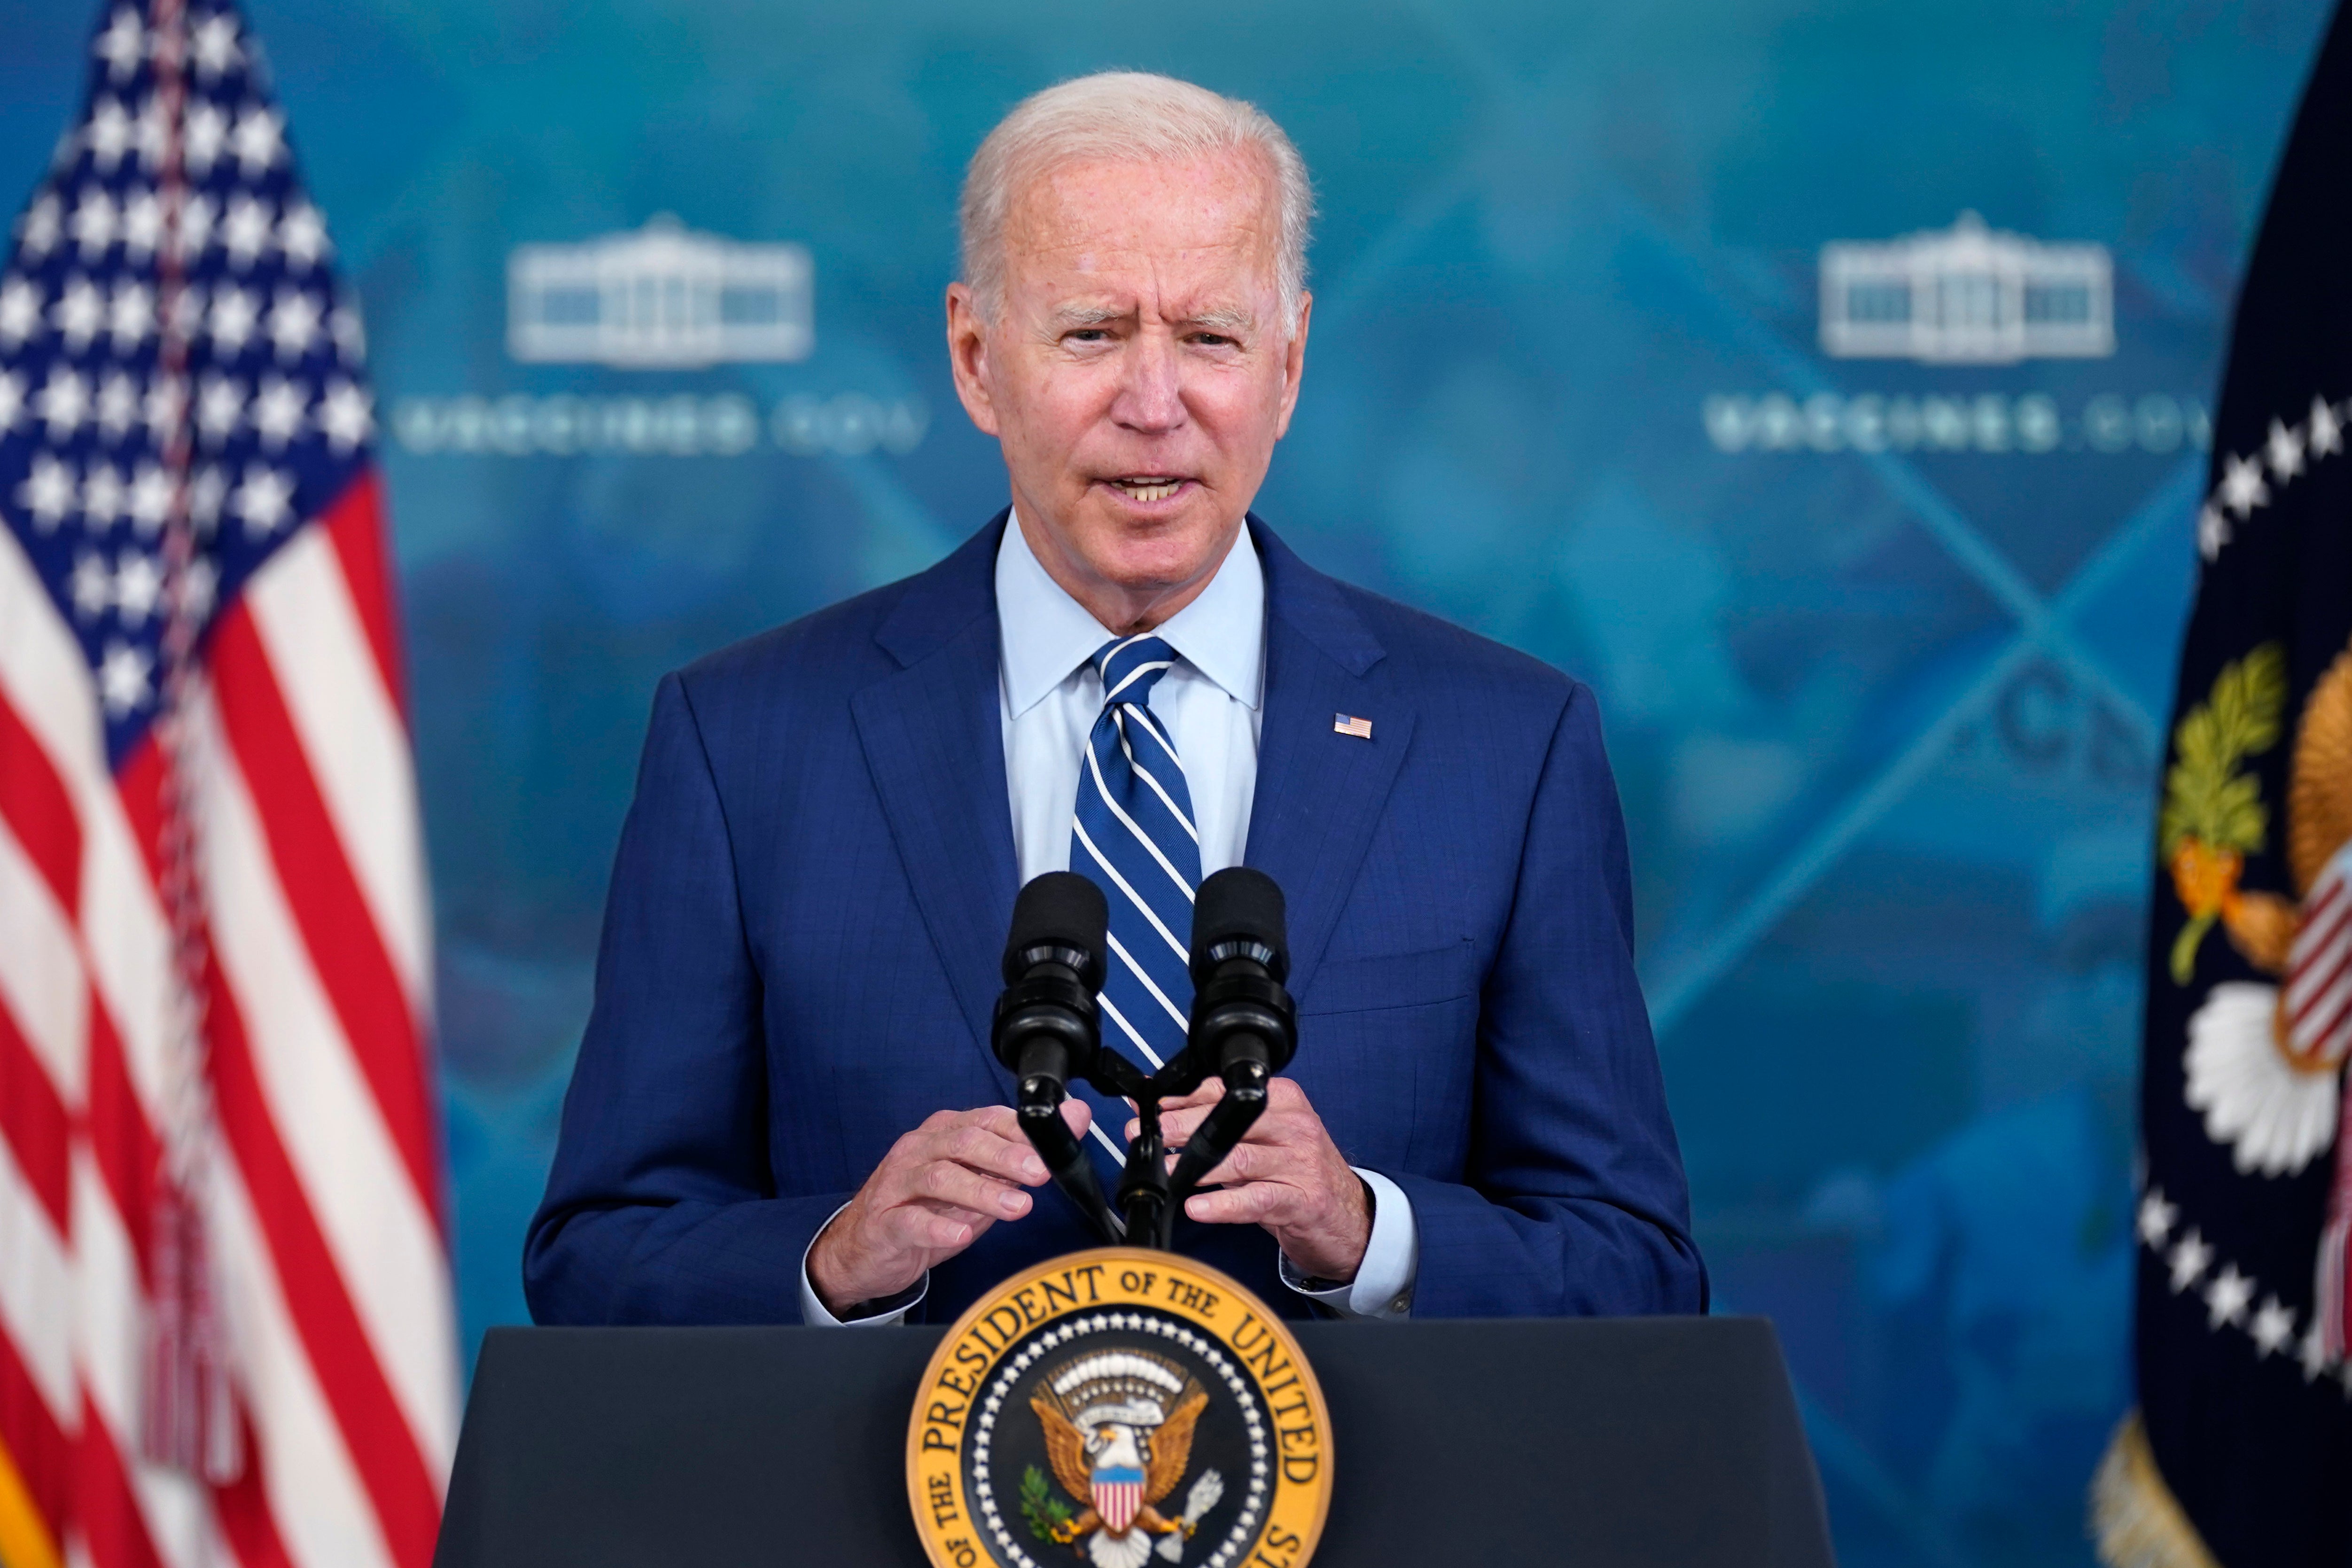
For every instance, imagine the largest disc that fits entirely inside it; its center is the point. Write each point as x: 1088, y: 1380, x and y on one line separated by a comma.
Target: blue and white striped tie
x: 1133, y: 834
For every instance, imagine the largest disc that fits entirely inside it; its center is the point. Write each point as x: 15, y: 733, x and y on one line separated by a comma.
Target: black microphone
x: 1244, y: 1028
x: 1046, y: 1026
x: 1047, y: 1031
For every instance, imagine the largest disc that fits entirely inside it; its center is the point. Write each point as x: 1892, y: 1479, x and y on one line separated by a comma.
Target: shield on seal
x: 1118, y: 1492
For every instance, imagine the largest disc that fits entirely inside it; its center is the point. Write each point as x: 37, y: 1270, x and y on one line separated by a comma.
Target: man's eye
x: 1213, y: 339
x: 1089, y: 335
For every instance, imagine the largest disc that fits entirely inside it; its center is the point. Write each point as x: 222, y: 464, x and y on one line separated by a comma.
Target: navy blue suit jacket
x: 801, y: 946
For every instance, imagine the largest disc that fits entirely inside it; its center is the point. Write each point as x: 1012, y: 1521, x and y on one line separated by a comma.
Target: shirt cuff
x: 1382, y: 1288
x: 889, y: 1310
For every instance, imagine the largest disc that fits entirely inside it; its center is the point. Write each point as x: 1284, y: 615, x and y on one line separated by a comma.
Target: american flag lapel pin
x: 1349, y: 724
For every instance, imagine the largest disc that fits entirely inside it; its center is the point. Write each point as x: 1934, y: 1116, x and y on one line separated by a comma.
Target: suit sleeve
x: 661, y: 1207
x: 1574, y: 1200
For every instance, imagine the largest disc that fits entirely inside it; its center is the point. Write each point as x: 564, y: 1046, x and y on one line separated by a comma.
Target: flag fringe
x: 2135, y: 1521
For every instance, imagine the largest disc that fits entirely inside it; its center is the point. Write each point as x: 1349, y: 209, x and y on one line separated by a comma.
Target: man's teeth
x: 1149, y: 490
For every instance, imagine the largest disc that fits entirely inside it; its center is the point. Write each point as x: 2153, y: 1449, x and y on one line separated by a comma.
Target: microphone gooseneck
x: 1047, y: 1030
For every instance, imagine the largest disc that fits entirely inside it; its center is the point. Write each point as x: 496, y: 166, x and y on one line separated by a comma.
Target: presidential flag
x: 2241, y: 1450
x: 225, y: 1324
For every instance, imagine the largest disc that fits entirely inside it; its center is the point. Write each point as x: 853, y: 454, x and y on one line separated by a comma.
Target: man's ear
x: 968, y: 358
x: 1294, y: 366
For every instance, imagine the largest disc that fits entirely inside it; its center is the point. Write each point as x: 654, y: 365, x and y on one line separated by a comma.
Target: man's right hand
x: 934, y: 1193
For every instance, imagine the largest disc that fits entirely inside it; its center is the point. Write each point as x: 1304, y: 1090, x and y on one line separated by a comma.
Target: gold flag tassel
x: 2135, y: 1521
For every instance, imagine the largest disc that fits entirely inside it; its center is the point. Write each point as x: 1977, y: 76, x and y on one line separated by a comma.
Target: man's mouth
x: 1146, y: 487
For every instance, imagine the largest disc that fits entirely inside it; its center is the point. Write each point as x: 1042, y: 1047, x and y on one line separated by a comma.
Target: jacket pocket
x: 1392, y: 980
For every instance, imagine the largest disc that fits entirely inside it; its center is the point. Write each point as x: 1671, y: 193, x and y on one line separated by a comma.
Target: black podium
x: 1594, y: 1443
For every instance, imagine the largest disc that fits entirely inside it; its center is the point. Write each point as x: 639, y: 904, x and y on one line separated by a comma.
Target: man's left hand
x: 1285, y: 1174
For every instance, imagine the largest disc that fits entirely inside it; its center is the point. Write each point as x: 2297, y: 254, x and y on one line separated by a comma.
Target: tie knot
x: 1131, y: 667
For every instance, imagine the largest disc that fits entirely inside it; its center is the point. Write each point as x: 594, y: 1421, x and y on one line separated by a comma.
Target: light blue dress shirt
x: 1211, y: 700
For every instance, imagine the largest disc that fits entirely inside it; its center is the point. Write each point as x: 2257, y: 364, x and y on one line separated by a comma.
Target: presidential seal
x: 1119, y: 1408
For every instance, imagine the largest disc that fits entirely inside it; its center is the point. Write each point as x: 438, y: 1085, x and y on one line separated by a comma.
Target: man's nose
x: 1150, y: 393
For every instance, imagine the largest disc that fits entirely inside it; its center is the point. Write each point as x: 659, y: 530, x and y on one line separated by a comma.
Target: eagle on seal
x: 1118, y: 1431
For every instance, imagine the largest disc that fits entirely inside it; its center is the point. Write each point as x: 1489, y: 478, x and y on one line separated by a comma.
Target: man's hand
x: 1285, y: 1174
x: 932, y: 1195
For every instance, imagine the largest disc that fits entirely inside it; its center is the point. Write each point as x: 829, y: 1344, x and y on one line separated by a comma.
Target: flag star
x: 260, y: 140
x: 151, y: 134
x: 350, y: 337
x: 265, y: 500
x: 20, y: 310
x: 293, y: 323
x: 199, y: 584
x: 123, y: 43
x: 220, y: 408
x: 186, y: 310
x: 2274, y: 1327
x: 244, y: 232
x: 138, y: 585
x: 235, y: 314
x: 2285, y: 449
x: 277, y: 411
x: 91, y: 587
x: 12, y: 400
x: 195, y: 227
x: 205, y: 493
x: 122, y: 678
x: 111, y: 133
x: 118, y: 406
x: 150, y: 501
x: 47, y: 492
x: 203, y: 134
x: 95, y: 223
x: 303, y: 236
x: 346, y: 415
x: 64, y: 403
x: 143, y: 224
x: 101, y: 496
x: 36, y: 231
x: 2312, y: 1352
x: 2189, y: 1259
x: 131, y: 317
x: 166, y: 405
x: 2212, y: 531
x: 213, y: 44
x: 78, y: 313
x: 2156, y: 1218
x: 2227, y: 1298
x: 2327, y: 430
x: 2242, y: 485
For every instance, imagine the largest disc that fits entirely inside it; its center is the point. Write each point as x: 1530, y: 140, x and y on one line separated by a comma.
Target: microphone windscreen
x: 1239, y: 906
x: 1059, y: 910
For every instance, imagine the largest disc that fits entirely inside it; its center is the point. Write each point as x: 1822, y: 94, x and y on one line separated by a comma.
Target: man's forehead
x: 1204, y: 208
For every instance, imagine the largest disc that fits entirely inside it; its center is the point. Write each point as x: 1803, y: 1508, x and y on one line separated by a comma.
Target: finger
x: 1006, y: 1155
x: 950, y: 1182
x: 1078, y: 1114
x: 1255, y: 1203
x: 1175, y: 1126
x: 923, y: 1227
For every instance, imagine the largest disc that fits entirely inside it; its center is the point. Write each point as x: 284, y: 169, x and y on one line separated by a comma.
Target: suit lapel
x: 1319, y: 793
x: 936, y: 750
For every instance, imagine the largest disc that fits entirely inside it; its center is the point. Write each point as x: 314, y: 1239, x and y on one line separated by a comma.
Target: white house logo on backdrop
x: 1966, y: 295
x: 660, y: 298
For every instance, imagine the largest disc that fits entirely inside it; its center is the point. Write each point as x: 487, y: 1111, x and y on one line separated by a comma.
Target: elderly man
x: 785, y: 1105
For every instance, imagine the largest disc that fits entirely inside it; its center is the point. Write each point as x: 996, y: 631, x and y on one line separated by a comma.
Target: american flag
x: 219, y: 1184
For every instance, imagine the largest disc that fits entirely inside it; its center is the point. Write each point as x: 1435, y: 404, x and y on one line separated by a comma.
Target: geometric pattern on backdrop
x: 2242, y: 1441
x: 220, y: 1180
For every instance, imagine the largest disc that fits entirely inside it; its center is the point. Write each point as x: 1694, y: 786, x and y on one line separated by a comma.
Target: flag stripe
x: 307, y: 1465
x: 344, y: 946
x: 35, y: 804
x: 33, y: 1120
x: 392, y: 1472
x: 352, y: 738
x: 354, y: 524
x: 109, y: 1521
x: 242, y: 1508
x: 41, y: 1450
x: 41, y: 978
x: 36, y: 1293
x: 386, y: 1250
x: 24, y: 1537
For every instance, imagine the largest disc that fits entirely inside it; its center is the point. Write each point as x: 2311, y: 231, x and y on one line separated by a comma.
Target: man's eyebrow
x: 1081, y: 316
x: 1233, y: 320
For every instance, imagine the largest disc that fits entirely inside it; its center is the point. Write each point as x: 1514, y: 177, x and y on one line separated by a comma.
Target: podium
x: 1591, y: 1443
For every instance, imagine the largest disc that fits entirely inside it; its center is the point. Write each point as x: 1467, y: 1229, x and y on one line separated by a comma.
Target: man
x: 785, y: 1105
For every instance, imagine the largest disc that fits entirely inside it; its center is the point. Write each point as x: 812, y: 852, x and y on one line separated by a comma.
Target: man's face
x: 1138, y: 374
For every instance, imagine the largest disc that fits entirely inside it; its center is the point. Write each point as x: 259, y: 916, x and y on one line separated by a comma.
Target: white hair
x: 1125, y: 117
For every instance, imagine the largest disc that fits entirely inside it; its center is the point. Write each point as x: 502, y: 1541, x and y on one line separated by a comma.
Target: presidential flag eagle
x: 1118, y: 1431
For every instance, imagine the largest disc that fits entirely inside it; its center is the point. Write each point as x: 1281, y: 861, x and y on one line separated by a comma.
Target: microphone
x: 1244, y: 1028
x: 1046, y: 1029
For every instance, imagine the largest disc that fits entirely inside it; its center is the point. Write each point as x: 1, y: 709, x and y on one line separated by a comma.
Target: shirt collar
x: 1046, y: 634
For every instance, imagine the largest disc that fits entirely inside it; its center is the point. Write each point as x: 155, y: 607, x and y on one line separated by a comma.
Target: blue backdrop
x: 1613, y: 359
